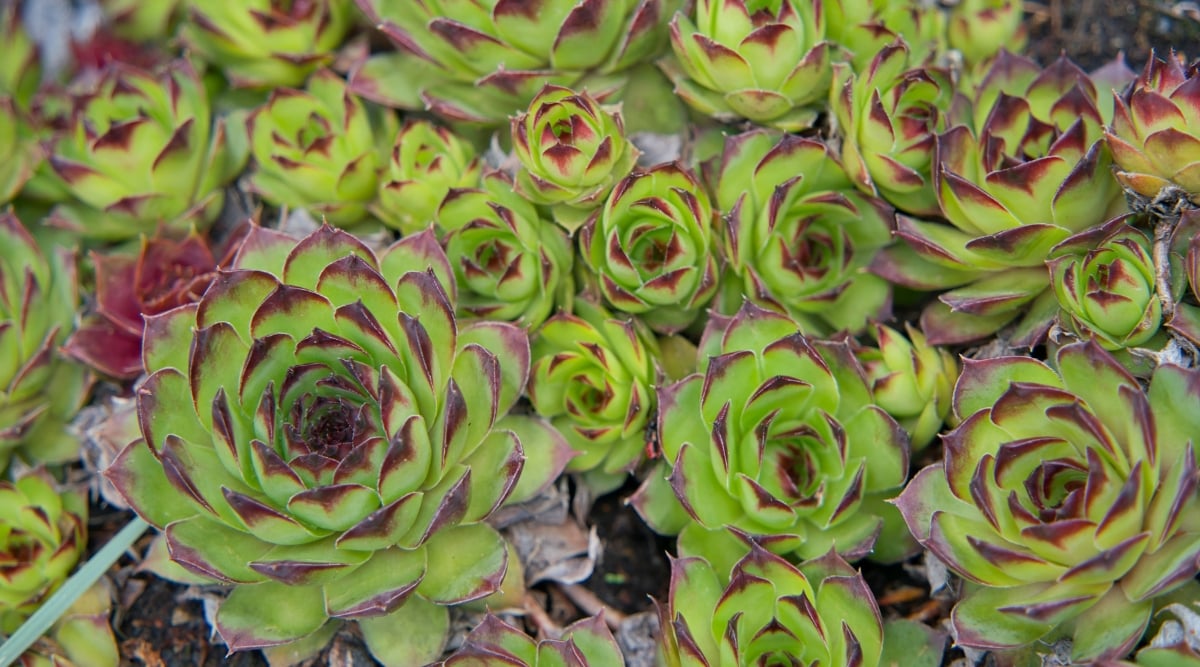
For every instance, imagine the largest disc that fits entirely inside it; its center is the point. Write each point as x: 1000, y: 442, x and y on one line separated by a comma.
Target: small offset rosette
x: 320, y: 149
x: 767, y: 63
x: 651, y: 249
x: 265, y: 43
x: 572, y: 152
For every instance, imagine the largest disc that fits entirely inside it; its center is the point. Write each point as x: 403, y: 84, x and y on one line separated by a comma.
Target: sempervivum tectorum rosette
x: 320, y: 149
x: 164, y: 273
x: 888, y: 115
x: 141, y: 150
x: 427, y: 161
x: 593, y: 376
x: 910, y: 379
x: 864, y: 27
x: 1067, y: 498
x: 481, y: 61
x: 979, y: 29
x: 39, y: 390
x: 766, y: 62
x: 651, y: 247
x: 509, y: 263
x: 494, y: 643
x: 266, y: 43
x: 572, y: 152
x: 767, y: 611
x: 43, y: 533
x: 19, y: 146
x: 1104, y: 280
x: 1155, y: 133
x: 797, y: 235
x: 777, y: 436
x: 319, y: 431
x: 1032, y: 171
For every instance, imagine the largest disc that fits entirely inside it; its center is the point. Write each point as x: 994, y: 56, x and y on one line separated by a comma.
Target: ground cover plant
x: 591, y: 333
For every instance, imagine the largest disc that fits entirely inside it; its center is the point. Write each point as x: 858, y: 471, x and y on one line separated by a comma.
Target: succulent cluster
x: 367, y: 287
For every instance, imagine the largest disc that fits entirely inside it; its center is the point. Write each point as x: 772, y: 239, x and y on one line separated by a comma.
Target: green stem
x: 53, y: 609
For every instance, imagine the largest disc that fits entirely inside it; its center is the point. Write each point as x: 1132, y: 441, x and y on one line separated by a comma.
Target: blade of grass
x: 41, y: 620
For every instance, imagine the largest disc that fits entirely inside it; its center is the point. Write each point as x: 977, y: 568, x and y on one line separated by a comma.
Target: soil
x: 163, y: 625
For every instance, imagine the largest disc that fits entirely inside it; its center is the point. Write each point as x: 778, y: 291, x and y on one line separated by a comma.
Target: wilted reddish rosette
x: 165, y: 273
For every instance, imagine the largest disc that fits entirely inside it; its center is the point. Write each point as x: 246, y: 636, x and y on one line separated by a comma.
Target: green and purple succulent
x: 144, y: 149
x: 494, y: 643
x: 1155, y: 131
x: 1105, y: 282
x: 910, y: 379
x: 510, y: 263
x: 266, y: 43
x: 1067, y: 499
x: 767, y: 611
x: 427, y: 161
x: 1030, y: 171
x: 797, y: 236
x: 594, y: 377
x: 40, y: 391
x: 777, y: 436
x: 650, y: 249
x: 481, y: 61
x: 889, y: 115
x: 572, y: 152
x: 319, y: 148
x: 766, y: 62
x: 318, y: 427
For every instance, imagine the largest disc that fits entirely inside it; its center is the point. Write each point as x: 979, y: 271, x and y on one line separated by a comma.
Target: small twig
x: 1163, y: 229
x: 592, y: 605
x: 545, y: 625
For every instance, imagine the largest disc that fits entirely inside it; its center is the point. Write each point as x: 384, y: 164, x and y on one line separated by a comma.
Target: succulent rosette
x: 22, y: 153
x: 20, y: 69
x: 766, y: 62
x: 320, y: 149
x: 910, y: 379
x: 979, y: 29
x: 651, y: 247
x: 494, y: 643
x: 481, y: 61
x: 1104, y: 280
x: 778, y: 435
x: 767, y: 611
x: 572, y: 152
x: 594, y: 376
x: 427, y: 161
x: 1032, y: 172
x: 39, y: 390
x: 1067, y: 497
x: 143, y: 149
x: 509, y: 263
x: 319, y: 431
x: 797, y: 235
x: 165, y: 273
x: 81, y: 637
x: 864, y: 27
x: 45, y: 535
x: 889, y: 114
x: 142, y: 20
x: 266, y: 43
x: 1155, y: 132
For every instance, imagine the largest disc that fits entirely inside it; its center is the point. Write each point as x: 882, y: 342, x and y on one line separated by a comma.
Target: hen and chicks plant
x: 760, y: 321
